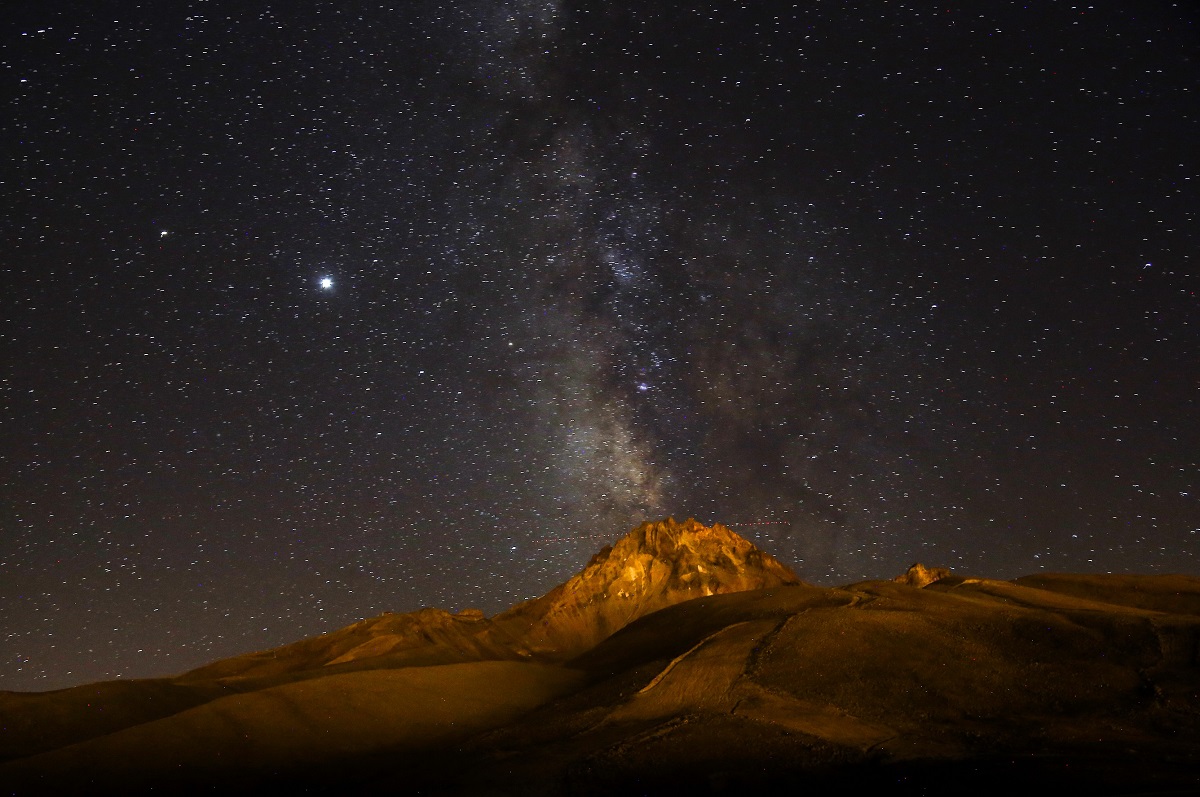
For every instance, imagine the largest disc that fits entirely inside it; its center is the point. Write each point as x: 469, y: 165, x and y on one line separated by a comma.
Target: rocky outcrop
x: 655, y: 566
x: 921, y: 576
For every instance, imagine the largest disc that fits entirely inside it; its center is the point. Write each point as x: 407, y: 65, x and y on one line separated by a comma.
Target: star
x: 569, y: 313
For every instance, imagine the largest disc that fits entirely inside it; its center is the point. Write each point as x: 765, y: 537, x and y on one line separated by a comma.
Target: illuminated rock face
x: 656, y: 565
x: 921, y: 576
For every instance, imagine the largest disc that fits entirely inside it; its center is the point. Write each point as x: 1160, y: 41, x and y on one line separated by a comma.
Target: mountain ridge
x: 657, y: 564
x: 679, y: 658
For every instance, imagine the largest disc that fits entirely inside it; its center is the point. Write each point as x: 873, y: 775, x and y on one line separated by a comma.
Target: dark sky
x: 870, y: 282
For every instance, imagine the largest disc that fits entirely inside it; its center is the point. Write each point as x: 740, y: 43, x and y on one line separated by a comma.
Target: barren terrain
x: 682, y: 657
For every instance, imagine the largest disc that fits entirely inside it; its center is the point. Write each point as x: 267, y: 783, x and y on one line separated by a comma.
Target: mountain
x: 680, y: 659
x: 654, y: 566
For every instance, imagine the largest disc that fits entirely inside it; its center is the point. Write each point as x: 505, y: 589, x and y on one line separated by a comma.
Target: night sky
x: 317, y: 310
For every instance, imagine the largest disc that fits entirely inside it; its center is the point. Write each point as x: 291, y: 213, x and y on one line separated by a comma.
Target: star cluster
x: 321, y: 310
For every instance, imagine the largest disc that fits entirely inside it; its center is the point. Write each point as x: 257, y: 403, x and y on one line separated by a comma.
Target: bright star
x: 326, y: 283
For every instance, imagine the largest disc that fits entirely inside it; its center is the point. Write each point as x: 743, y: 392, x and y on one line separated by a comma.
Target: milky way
x: 320, y: 312
x: 664, y: 340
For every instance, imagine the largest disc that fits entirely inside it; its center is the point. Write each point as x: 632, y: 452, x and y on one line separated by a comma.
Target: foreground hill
x: 681, y: 658
x: 973, y: 684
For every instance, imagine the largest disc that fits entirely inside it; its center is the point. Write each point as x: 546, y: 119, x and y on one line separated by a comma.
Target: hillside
x: 681, y: 657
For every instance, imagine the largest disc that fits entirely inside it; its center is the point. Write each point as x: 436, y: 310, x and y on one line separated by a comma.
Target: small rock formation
x: 921, y: 576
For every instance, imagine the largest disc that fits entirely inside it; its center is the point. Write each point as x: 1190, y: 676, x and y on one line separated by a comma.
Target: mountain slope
x: 681, y: 659
x: 655, y: 565
x: 965, y: 685
x: 297, y: 730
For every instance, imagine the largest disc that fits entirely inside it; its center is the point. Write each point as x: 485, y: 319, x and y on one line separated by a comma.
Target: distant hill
x: 680, y: 658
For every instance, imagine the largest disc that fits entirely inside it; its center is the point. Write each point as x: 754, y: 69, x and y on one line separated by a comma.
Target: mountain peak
x: 666, y: 538
x: 918, y: 575
x: 689, y: 556
x: 657, y: 564
x: 654, y: 566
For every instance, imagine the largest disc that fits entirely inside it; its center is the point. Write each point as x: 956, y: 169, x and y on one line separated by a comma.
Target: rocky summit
x: 918, y: 575
x: 654, y: 566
